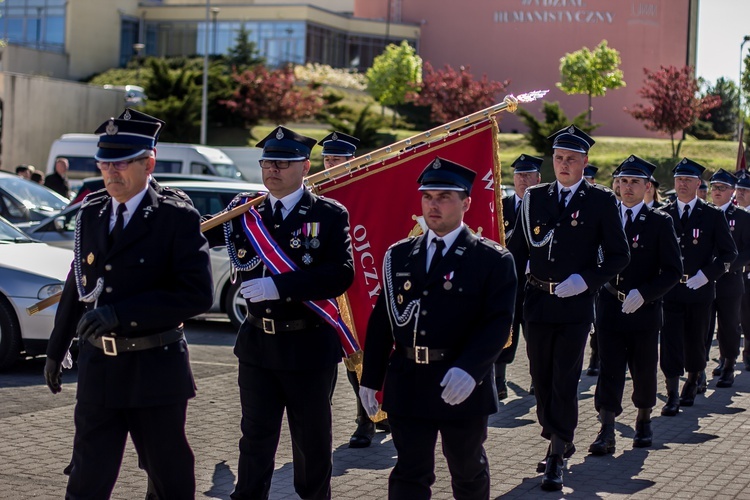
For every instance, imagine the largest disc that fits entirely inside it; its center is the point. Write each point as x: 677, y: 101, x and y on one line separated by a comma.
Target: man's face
x: 568, y: 166
x: 25, y: 174
x: 743, y: 197
x: 524, y: 180
x: 330, y: 161
x: 443, y: 210
x: 590, y: 180
x: 124, y: 184
x: 702, y: 193
x: 685, y: 187
x: 283, y: 177
x: 616, y: 186
x: 721, y: 193
x: 632, y: 190
x: 61, y: 167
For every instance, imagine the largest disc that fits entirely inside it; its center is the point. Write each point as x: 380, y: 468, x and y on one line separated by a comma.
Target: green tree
x: 393, y: 74
x: 591, y: 72
x: 363, y: 125
x: 722, y: 122
x: 245, y: 53
x: 554, y: 120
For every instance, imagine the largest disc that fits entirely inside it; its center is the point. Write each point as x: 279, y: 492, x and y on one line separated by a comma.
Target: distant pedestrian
x: 57, y: 181
x: 37, y: 177
x: 25, y: 171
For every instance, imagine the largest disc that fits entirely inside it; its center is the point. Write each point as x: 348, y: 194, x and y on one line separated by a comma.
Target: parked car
x: 208, y: 198
x: 29, y: 272
x: 25, y: 203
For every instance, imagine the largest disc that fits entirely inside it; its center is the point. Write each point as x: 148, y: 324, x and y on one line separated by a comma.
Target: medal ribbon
x: 696, y: 233
x: 278, y: 262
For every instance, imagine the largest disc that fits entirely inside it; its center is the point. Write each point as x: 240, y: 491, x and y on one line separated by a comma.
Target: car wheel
x: 235, y: 304
x: 10, y: 335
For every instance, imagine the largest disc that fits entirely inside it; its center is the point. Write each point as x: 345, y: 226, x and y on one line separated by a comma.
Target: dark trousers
x: 745, y: 320
x: 555, y: 360
x: 683, y: 337
x: 264, y: 394
x: 637, y: 351
x: 725, y: 311
x: 415, y: 439
x: 509, y: 353
x: 158, y: 434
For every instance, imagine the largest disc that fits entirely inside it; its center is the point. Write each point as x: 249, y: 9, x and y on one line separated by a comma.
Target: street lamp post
x: 204, y: 93
x: 214, y: 12
x: 739, y: 90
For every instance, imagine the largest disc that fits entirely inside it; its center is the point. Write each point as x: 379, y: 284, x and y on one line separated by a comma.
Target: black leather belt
x: 112, y: 346
x: 614, y: 291
x: 547, y: 286
x: 424, y: 355
x: 272, y: 326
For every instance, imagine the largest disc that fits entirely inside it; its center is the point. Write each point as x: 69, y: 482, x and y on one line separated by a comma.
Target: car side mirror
x: 59, y: 224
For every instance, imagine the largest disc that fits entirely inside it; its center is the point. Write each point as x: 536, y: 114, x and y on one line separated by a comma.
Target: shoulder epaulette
x: 95, y: 198
x: 400, y: 242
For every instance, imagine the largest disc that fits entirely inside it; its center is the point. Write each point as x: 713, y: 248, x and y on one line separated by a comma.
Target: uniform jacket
x: 706, y: 245
x: 326, y: 270
x: 655, y: 267
x: 156, y: 276
x: 509, y: 222
x: 732, y: 282
x: 471, y: 318
x: 587, y: 231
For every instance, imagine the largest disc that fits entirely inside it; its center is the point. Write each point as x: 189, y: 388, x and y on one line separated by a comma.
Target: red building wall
x: 523, y: 41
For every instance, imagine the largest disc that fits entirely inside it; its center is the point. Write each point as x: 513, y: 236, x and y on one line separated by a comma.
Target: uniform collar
x: 290, y: 200
x: 572, y: 188
x: 130, y: 205
x: 449, y: 238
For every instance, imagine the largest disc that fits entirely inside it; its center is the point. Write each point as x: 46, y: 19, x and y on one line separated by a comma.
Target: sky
x: 722, y: 25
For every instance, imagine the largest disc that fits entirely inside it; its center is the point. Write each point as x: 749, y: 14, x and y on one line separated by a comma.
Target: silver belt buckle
x: 109, y: 346
x: 621, y: 296
x: 268, y: 326
x: 422, y: 355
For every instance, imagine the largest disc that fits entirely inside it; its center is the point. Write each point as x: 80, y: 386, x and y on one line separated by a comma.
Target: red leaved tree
x: 451, y: 94
x: 272, y: 95
x: 674, y: 102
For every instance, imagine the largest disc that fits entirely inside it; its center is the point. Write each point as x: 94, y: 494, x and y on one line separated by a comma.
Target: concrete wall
x: 38, y: 110
x: 17, y: 59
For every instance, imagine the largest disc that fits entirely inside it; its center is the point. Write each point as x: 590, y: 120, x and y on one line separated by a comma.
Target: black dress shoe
x: 593, y: 369
x: 531, y: 389
x: 672, y: 407
x: 362, y: 437
x: 570, y: 448
x: 553, y: 480
x: 727, y: 376
x: 702, y: 383
x: 605, y: 441
x: 69, y: 468
x: 719, y: 367
x: 644, y: 436
x: 689, y: 390
x: 502, y: 392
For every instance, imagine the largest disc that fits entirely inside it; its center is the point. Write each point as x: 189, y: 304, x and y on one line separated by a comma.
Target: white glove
x: 369, y: 403
x: 458, y: 386
x: 632, y: 302
x: 259, y: 289
x: 571, y: 286
x: 697, y: 281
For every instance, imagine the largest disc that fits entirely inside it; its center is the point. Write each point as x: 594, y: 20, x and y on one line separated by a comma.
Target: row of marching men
x: 649, y: 279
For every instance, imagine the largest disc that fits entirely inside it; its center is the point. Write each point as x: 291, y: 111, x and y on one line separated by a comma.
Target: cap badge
x: 572, y: 129
x: 684, y: 160
x: 111, y: 128
x: 436, y: 164
x: 632, y: 158
x: 280, y: 134
x: 522, y: 158
x: 126, y: 116
x: 334, y: 137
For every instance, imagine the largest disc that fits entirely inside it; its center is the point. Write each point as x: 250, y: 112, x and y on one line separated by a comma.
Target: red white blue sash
x: 278, y: 262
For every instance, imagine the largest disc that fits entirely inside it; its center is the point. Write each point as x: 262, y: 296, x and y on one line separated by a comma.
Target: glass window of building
x: 38, y: 24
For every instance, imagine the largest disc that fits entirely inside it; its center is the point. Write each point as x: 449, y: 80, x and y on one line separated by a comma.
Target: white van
x: 172, y: 158
x: 246, y: 159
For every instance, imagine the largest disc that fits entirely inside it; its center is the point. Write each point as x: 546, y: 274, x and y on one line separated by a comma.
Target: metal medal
x: 90, y: 258
x: 574, y: 223
x: 537, y: 230
x: 314, y: 243
x: 447, y: 285
x: 635, y: 244
x: 695, y: 242
x: 294, y: 243
x: 407, y: 285
x: 307, y: 259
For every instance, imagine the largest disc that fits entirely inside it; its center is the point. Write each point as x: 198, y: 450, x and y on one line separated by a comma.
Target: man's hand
x: 697, y: 281
x: 632, y: 302
x: 369, y: 403
x: 574, y: 285
x: 53, y: 375
x: 259, y: 289
x: 458, y: 386
x: 97, y: 322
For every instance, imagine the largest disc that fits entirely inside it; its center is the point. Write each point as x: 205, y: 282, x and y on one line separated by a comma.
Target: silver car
x: 29, y: 272
x: 208, y: 198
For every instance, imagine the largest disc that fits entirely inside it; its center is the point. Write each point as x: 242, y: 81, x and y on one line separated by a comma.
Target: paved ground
x: 701, y: 453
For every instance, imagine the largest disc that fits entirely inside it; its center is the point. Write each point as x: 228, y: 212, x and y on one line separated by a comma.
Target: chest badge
x: 537, y: 230
x: 90, y: 258
x: 574, y: 216
x: 400, y: 298
x: 307, y: 259
x: 241, y: 253
x: 448, y: 277
x: 407, y: 285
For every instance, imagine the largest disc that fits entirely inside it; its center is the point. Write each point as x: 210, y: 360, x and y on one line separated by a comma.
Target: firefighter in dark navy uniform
x: 526, y: 173
x: 571, y: 234
x: 707, y: 250
x: 447, y: 302
x: 141, y: 268
x: 628, y: 309
x: 730, y: 286
x: 288, y: 354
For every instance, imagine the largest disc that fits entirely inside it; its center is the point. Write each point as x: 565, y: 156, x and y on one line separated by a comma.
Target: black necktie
x: 563, y: 197
x: 629, y: 223
x: 278, y: 218
x: 518, y: 207
x: 116, y: 232
x: 685, y: 216
x: 438, y: 256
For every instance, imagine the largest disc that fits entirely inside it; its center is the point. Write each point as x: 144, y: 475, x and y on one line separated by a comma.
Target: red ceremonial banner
x: 385, y: 206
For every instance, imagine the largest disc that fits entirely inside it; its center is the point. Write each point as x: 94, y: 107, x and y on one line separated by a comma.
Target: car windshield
x: 10, y: 234
x: 228, y: 170
x: 32, y: 195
